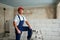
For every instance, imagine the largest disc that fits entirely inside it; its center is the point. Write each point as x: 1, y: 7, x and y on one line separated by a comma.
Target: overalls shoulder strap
x: 18, y: 17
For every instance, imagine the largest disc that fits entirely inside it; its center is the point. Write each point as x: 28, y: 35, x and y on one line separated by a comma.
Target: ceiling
x: 28, y: 3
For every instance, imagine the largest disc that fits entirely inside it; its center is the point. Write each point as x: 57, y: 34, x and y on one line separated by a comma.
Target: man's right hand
x: 19, y: 32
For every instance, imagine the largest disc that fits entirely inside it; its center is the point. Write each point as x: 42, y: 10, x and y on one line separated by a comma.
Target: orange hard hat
x: 20, y: 8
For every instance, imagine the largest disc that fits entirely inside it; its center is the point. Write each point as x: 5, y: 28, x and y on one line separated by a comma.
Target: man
x: 18, y: 24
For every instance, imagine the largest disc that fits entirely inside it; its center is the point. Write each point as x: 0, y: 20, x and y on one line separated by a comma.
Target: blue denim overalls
x: 21, y: 28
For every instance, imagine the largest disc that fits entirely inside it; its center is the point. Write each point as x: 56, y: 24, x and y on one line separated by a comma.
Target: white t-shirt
x: 17, y: 20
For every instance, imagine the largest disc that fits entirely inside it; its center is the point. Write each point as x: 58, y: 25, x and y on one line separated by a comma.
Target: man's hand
x: 19, y: 32
x: 28, y: 24
x: 30, y: 27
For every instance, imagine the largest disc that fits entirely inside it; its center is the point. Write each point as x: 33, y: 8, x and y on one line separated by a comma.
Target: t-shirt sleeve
x: 16, y: 18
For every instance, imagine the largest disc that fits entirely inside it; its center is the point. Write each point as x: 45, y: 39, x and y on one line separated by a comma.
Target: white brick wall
x: 49, y: 29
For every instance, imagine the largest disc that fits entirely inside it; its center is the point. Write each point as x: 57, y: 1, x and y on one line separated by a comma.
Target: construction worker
x: 18, y: 24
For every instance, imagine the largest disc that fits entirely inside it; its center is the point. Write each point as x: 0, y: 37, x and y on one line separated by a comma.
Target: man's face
x: 21, y: 11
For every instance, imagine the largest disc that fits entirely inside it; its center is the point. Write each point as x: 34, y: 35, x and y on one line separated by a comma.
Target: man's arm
x: 28, y: 24
x: 14, y: 23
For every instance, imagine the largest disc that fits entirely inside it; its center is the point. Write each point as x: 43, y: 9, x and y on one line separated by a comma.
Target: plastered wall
x: 5, y: 15
x: 58, y: 10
